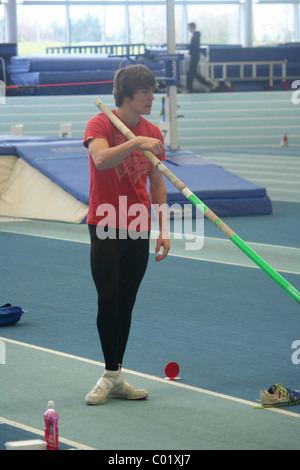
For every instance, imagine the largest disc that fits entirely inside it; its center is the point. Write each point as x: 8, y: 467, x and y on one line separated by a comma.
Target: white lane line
x: 181, y: 252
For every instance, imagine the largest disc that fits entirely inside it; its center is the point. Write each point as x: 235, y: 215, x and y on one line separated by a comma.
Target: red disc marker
x: 172, y: 371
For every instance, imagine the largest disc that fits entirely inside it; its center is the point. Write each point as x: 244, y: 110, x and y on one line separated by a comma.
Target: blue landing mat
x: 88, y: 73
x: 65, y: 162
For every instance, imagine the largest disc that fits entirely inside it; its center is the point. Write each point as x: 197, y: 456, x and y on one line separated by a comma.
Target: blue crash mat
x: 65, y: 161
x: 8, y: 142
x: 222, y: 191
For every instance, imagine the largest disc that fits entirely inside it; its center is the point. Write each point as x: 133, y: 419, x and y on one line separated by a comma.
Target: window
x: 145, y: 21
x: 115, y: 24
x: 147, y: 25
x: 218, y: 24
x: 87, y: 25
x: 2, y: 25
x: 39, y: 25
x: 272, y: 23
x: 297, y: 35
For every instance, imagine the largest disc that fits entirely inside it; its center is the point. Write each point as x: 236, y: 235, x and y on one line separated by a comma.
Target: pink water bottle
x: 51, y: 427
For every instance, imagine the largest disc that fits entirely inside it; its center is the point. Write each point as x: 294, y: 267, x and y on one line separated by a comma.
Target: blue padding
x: 62, y: 63
x: 8, y: 142
x: 76, y: 77
x: 7, y: 50
x: 23, y: 78
x: 240, y: 206
x: 211, y: 182
x: 35, y: 72
x: 7, y: 148
x: 65, y: 161
x: 223, y: 192
x: 185, y: 157
x: 75, y: 63
x: 244, y: 54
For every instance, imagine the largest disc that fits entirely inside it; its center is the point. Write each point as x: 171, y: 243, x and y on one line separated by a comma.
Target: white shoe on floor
x: 127, y: 392
x: 106, y: 383
x: 113, y: 386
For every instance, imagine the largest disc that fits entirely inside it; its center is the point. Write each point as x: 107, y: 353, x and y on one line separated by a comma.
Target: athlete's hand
x: 162, y: 243
x: 149, y: 143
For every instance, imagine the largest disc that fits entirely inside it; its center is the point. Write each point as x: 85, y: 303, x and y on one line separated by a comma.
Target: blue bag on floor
x: 9, y: 315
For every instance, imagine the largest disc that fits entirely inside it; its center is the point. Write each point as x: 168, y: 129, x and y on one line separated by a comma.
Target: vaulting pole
x: 202, y: 207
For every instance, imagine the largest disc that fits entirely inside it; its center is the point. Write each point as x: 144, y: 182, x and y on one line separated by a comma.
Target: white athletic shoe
x: 98, y: 394
x: 111, y: 386
x: 127, y: 392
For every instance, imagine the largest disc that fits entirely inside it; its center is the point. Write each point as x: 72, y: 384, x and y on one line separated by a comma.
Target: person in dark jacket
x: 194, y: 51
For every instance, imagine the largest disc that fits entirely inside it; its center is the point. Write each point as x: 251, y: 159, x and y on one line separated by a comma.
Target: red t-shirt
x: 115, y: 192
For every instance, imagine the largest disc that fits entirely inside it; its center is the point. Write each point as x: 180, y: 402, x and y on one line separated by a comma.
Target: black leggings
x: 192, y: 73
x: 118, y: 267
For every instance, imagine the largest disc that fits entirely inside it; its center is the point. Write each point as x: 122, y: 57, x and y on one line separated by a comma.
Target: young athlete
x: 119, y: 219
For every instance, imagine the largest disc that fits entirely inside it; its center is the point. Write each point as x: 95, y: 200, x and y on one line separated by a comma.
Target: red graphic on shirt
x: 135, y: 165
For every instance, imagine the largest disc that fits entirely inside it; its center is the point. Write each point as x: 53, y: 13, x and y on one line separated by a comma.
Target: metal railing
x: 110, y: 49
x: 251, y: 73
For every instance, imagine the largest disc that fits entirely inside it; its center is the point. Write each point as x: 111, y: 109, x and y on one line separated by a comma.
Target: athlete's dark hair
x: 130, y: 79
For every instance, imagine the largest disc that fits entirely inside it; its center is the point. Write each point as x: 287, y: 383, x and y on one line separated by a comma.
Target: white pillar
x: 68, y: 26
x: 246, y: 23
x: 296, y: 36
x: 172, y: 90
x: 11, y: 29
x: 127, y: 25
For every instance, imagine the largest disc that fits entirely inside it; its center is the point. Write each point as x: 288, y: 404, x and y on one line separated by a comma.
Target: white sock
x: 113, y: 372
x: 117, y: 377
x: 110, y: 379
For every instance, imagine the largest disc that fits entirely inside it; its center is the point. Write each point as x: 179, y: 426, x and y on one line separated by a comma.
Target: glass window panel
x: 115, y: 24
x: 180, y: 28
x: 272, y: 1
x: 87, y: 24
x: 2, y: 27
x: 298, y: 38
x: 217, y: 24
x: 148, y: 24
x: 105, y: 22
x: 272, y: 23
x: 41, y: 23
x: 102, y: 24
x: 207, y: 1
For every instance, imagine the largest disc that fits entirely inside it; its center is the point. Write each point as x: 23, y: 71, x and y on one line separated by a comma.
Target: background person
x: 194, y: 51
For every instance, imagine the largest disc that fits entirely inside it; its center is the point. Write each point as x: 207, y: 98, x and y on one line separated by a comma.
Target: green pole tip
x: 294, y: 293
